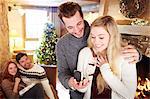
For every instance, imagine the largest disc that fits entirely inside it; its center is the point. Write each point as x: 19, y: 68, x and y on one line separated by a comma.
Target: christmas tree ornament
x: 46, y: 52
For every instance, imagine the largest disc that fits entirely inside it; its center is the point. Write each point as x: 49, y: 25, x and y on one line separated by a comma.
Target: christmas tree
x: 46, y: 51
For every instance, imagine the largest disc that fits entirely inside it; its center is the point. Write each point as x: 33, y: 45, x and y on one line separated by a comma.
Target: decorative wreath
x: 132, y: 8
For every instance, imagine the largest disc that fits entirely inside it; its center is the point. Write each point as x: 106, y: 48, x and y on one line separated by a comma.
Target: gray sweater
x: 67, y: 50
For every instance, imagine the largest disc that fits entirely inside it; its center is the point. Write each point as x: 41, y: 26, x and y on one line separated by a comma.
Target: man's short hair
x: 19, y: 55
x: 69, y: 9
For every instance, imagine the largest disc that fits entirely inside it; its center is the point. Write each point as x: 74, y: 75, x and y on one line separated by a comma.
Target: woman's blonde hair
x: 113, y: 49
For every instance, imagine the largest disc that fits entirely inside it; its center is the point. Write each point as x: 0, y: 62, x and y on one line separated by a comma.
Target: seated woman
x: 12, y: 84
x: 104, y: 71
x: 10, y: 81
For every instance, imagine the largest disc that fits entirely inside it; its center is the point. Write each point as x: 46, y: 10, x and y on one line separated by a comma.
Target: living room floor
x: 63, y: 93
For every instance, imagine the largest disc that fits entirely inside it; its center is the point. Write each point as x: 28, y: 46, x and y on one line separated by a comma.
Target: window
x: 34, y: 20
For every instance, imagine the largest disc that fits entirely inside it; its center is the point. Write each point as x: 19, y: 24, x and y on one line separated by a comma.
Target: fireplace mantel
x: 134, y: 30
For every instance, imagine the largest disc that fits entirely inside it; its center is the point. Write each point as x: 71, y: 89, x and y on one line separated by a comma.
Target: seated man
x: 33, y: 74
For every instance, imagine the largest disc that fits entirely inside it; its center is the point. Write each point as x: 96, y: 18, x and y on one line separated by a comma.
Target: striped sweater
x: 35, y: 75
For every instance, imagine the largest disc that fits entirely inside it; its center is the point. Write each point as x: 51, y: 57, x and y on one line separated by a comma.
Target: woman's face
x: 12, y: 69
x: 100, y: 39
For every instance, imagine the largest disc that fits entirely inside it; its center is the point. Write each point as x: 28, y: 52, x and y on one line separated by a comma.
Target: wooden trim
x: 24, y: 30
x: 124, y: 22
x: 106, y: 7
x: 127, y: 22
x: 26, y: 51
x: 32, y: 39
x: 101, y: 7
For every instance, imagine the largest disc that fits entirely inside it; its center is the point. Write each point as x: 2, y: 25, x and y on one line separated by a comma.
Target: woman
x: 10, y: 82
x: 101, y: 64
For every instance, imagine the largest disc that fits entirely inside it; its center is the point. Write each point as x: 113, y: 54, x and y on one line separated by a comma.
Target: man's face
x: 75, y: 25
x: 25, y: 62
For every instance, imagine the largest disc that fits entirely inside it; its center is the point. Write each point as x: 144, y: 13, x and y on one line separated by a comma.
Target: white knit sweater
x: 122, y: 86
x: 35, y: 75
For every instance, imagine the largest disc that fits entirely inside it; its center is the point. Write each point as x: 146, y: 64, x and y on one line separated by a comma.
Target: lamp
x: 14, y: 35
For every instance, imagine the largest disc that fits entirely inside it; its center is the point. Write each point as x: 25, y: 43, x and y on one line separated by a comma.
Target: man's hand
x: 78, y: 85
x: 82, y: 84
x: 130, y: 53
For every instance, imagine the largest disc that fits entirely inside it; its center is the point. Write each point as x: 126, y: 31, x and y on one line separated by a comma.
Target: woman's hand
x: 17, y: 80
x: 101, y: 59
x: 16, y: 85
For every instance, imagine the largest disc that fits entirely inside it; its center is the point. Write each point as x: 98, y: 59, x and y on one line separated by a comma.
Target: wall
x: 135, y: 35
x: 15, y: 20
x: 4, y: 44
x: 114, y: 10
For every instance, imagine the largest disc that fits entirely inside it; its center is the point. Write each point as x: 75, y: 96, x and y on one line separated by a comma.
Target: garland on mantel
x: 140, y: 22
x: 132, y: 8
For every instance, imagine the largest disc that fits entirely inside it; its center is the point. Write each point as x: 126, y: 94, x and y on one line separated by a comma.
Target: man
x: 69, y: 45
x: 33, y: 74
